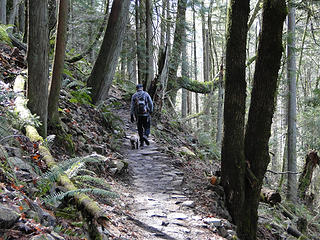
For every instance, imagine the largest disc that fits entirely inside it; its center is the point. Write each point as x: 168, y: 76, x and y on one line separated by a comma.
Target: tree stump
x: 312, y: 160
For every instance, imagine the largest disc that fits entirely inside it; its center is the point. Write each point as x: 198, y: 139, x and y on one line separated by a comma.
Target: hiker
x: 141, y: 108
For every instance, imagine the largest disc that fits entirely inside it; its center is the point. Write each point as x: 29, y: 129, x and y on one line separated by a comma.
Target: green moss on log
x: 196, y: 86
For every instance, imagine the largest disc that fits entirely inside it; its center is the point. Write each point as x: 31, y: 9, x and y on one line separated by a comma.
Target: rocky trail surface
x: 159, y: 203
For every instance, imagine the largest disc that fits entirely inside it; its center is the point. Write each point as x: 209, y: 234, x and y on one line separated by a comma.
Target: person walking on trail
x: 141, y: 108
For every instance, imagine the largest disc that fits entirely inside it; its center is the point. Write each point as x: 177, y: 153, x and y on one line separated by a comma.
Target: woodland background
x: 180, y: 51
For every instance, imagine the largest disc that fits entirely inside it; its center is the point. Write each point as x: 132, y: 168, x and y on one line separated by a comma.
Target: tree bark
x: 184, y: 73
x: 22, y: 17
x: 204, y: 44
x: 261, y: 111
x: 195, y: 56
x: 38, y: 61
x: 232, y: 153
x: 175, y: 58
x: 149, y: 45
x: 3, y: 12
x: 58, y: 64
x: 26, y: 26
x: 140, y: 43
x: 292, y: 105
x: 104, y: 68
x: 14, y: 11
x: 220, y: 108
x: 245, y: 158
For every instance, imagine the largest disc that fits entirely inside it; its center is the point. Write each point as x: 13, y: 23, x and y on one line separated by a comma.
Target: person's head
x: 139, y: 87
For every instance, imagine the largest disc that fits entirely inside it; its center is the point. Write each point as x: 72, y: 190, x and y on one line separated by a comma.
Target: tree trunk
x: 204, y: 44
x: 312, y: 160
x: 38, y: 61
x: 14, y: 11
x: 195, y: 57
x: 149, y: 45
x: 292, y: 114
x: 3, y: 12
x: 258, y: 129
x: 245, y: 159
x: 232, y: 153
x: 26, y: 22
x: 184, y: 73
x: 22, y: 17
x: 175, y: 58
x: 58, y: 64
x: 104, y: 68
x: 139, y: 42
x: 220, y: 108
x: 163, y: 24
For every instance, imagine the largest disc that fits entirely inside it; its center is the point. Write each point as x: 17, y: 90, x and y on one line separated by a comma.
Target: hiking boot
x: 146, y: 140
x: 141, y: 143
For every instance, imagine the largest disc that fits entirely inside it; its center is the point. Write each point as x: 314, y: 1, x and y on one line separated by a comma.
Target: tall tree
x: 245, y: 158
x: 195, y: 69
x: 14, y: 12
x: 292, y: 104
x: 38, y: 61
x: 184, y: 73
x: 3, y: 11
x: 149, y: 45
x: 220, y: 107
x: 232, y: 153
x: 175, y: 59
x: 104, y: 68
x: 58, y: 64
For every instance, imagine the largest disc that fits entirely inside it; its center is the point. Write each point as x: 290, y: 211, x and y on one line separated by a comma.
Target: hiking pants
x: 143, y: 124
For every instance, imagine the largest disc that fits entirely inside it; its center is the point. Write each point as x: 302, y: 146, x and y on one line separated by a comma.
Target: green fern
x: 94, y: 191
x: 94, y: 180
x: 4, y: 37
x: 70, y: 166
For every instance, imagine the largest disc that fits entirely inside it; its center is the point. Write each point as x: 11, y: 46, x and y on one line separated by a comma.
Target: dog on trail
x: 134, y: 142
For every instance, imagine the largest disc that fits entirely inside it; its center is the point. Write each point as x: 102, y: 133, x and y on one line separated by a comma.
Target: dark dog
x: 134, y: 142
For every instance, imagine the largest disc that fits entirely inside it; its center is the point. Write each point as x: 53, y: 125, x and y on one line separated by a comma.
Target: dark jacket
x: 149, y: 103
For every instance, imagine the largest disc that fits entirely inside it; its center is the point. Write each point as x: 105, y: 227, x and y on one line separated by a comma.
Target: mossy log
x: 89, y: 208
x: 270, y: 196
x: 312, y: 160
x: 196, y: 86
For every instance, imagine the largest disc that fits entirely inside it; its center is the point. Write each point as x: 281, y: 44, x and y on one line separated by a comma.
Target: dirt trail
x: 160, y: 206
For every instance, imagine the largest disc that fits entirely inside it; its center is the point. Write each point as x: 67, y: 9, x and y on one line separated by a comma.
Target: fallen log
x: 91, y: 211
x: 270, y: 196
x: 15, y: 42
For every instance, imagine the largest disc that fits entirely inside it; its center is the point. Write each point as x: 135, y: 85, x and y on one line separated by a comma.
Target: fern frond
x: 4, y: 37
x: 86, y: 172
x: 93, y: 180
x: 94, y: 191
x: 65, y: 166
x: 75, y: 83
